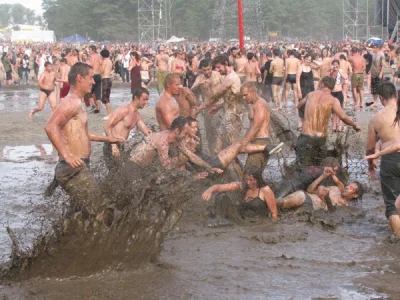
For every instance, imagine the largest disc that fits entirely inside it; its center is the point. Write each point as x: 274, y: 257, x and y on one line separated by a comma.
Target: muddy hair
x: 138, y: 92
x: 191, y: 120
x: 79, y: 68
x: 256, y: 173
x: 221, y: 59
x: 179, y: 123
x: 360, y: 191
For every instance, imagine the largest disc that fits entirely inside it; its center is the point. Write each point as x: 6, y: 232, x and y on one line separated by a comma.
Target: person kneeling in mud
x: 258, y: 198
x: 323, y: 197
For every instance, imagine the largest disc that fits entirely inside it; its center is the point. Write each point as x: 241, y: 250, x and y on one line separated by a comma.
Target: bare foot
x: 30, y: 115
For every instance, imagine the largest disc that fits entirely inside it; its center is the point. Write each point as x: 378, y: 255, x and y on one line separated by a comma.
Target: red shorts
x: 64, y: 90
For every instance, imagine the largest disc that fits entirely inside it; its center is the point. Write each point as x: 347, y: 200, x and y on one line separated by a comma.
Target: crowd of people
x: 218, y: 83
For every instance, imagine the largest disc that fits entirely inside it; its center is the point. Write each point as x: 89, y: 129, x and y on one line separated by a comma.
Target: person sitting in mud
x: 319, y: 106
x: 121, y: 122
x: 68, y: 131
x: 258, y: 198
x: 324, y: 197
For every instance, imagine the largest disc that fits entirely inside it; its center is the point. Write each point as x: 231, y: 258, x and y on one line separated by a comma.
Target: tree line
x: 11, y: 14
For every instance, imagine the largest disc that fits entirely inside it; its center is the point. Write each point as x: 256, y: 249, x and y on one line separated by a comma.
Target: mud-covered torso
x: 232, y: 99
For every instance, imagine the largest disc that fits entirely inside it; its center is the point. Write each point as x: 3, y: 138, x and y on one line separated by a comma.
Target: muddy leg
x: 292, y: 201
x: 42, y: 101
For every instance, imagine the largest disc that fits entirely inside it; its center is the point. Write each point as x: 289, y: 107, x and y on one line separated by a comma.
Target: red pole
x: 241, y: 29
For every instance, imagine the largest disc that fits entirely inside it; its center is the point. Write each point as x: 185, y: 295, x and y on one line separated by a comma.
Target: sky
x: 36, y: 5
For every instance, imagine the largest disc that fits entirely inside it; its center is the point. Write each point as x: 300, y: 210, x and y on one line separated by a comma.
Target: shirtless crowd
x: 221, y: 85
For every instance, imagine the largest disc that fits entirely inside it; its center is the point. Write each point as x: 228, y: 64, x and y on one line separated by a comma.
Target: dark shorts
x: 308, y: 200
x: 390, y: 181
x: 82, y: 187
x: 277, y: 80
x: 213, y: 161
x: 47, y: 92
x: 9, y: 75
x: 339, y: 96
x: 291, y: 78
x: 145, y: 81
x: 375, y: 83
x: 96, y: 88
x: 310, y: 151
x: 258, y: 159
x: 106, y: 85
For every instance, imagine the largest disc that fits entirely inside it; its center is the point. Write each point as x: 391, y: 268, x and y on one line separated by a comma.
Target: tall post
x: 241, y: 30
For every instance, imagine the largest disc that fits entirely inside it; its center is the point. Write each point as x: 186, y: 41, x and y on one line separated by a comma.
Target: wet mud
x: 165, y: 246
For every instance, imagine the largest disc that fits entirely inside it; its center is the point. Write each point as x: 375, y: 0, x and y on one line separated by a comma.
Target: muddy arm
x: 269, y: 198
x: 195, y: 159
x: 313, y: 187
x: 342, y: 115
x: 218, y: 188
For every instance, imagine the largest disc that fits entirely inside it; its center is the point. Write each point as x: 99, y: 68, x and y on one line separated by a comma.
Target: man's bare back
x: 240, y: 63
x: 292, y: 65
x: 263, y: 129
x: 106, y: 68
x: 277, y: 67
x: 187, y: 102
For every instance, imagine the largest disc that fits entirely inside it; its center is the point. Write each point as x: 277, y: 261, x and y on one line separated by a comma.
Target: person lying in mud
x: 258, y: 198
x: 68, y: 131
x: 121, y: 122
x: 324, y: 197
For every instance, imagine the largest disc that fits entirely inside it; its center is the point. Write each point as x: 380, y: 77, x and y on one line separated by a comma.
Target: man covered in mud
x: 121, y: 122
x: 324, y: 197
x: 46, y: 86
x: 258, y: 131
x: 229, y: 89
x: 167, y: 109
x: 188, y: 103
x: 319, y: 106
x: 385, y: 125
x: 208, y: 83
x: 68, y: 131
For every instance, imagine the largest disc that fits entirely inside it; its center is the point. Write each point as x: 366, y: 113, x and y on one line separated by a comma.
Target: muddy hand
x: 74, y: 162
x: 207, y: 195
x: 218, y: 171
x: 200, y: 176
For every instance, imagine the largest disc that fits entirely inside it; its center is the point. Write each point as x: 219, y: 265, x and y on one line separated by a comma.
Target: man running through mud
x: 208, y: 83
x: 120, y: 124
x: 276, y: 69
x: 319, y: 106
x: 46, y: 86
x: 106, y: 81
x: 95, y: 93
x: 68, y: 131
x: 64, y: 71
x: 323, y: 197
x: 292, y: 66
x: 258, y: 131
x: 167, y: 109
x: 385, y: 125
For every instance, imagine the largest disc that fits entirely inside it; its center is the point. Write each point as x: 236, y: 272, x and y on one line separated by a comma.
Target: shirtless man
x: 188, y: 103
x: 121, y: 122
x: 325, y: 63
x: 95, y: 62
x: 319, y: 106
x: 357, y: 77
x: 69, y: 56
x: 277, y: 78
x: 46, y: 85
x: 385, y: 124
x: 178, y: 66
x: 167, y: 109
x: 377, y: 68
x: 106, y: 81
x: 258, y: 131
x: 68, y: 131
x: 251, y: 68
x: 161, y: 63
x: 345, y: 66
x: 63, y: 78
x: 240, y: 62
x: 292, y: 66
x: 322, y: 197
x: 208, y: 83
x: 233, y: 112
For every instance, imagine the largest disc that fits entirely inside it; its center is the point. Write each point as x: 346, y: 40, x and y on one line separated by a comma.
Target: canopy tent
x: 33, y: 36
x: 76, y: 38
x: 375, y: 40
x: 175, y: 39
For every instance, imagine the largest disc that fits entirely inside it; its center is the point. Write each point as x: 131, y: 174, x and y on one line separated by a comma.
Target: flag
x: 273, y: 34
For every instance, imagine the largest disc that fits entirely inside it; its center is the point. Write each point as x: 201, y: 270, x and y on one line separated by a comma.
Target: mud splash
x: 78, y: 247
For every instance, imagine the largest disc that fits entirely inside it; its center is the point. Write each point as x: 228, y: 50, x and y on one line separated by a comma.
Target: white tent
x: 33, y: 36
x: 175, y: 39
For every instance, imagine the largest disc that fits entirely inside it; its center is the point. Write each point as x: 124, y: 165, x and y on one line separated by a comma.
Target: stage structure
x: 355, y: 19
x: 154, y: 20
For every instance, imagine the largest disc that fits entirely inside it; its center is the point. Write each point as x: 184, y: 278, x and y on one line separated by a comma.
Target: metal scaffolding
x: 154, y: 20
x: 355, y: 19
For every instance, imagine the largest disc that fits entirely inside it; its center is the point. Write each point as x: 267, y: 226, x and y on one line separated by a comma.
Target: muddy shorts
x: 160, y: 80
x: 82, y: 187
x: 106, y: 85
x: 310, y: 151
x: 390, y: 181
x: 357, y: 81
x: 259, y: 159
x: 213, y: 161
x: 230, y: 129
x: 96, y: 87
x: 375, y: 83
x: 277, y: 80
x: 242, y: 79
x: 111, y: 161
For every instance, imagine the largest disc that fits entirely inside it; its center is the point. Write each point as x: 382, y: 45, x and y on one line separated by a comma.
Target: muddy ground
x: 344, y: 255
